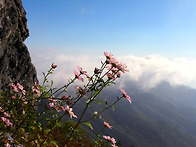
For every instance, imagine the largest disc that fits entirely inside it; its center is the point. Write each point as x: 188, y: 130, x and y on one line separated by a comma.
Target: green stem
x: 103, y: 110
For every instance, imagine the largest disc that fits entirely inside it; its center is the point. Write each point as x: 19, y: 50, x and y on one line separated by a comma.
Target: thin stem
x: 65, y: 86
x: 103, y: 110
x: 76, y: 125
x: 87, y: 105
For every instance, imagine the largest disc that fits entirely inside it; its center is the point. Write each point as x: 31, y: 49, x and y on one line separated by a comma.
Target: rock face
x: 15, y: 61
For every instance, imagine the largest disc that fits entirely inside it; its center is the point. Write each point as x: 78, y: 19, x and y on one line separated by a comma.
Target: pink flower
x: 14, y: 87
x: 24, y: 100
x: 107, y: 125
x: 64, y: 97
x: 118, y: 74
x: 77, y: 75
x: 51, y: 105
x: 7, y: 121
x: 108, y: 55
x: 69, y: 110
x: 36, y: 85
x: 81, y: 91
x: 13, y: 97
x: 122, y: 66
x: 114, y: 62
x: 23, y: 92
x: 113, y: 69
x: 58, y: 109
x: 53, y: 66
x: 82, y: 71
x: 110, y: 76
x: 125, y: 95
x: 7, y: 145
x: 36, y: 91
x: 21, y: 88
x: 1, y: 109
x: 54, y: 104
x: 69, y: 102
x: 112, y: 140
x: 6, y: 114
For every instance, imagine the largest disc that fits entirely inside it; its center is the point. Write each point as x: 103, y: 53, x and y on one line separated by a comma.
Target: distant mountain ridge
x: 165, y: 116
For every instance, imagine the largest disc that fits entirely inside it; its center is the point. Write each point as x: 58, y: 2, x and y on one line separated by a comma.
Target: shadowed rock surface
x: 15, y: 61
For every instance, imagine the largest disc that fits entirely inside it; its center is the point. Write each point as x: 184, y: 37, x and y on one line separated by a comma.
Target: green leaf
x: 47, y: 130
x: 112, y: 107
x: 43, y: 74
x: 52, y: 83
x: 53, y: 142
x: 88, y: 124
x: 100, y: 102
x: 40, y: 87
x: 96, y: 93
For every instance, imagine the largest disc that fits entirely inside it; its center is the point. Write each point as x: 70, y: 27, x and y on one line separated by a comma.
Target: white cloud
x: 151, y: 70
x: 66, y: 64
x: 147, y: 72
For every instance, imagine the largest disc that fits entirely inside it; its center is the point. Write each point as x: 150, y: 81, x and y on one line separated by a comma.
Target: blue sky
x: 137, y: 27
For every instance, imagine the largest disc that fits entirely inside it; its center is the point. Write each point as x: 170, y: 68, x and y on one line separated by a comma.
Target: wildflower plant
x: 29, y: 118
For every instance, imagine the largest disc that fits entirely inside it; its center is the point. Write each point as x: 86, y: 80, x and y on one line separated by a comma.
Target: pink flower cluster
x: 69, y: 110
x: 4, y: 119
x: 7, y: 121
x: 20, y: 87
x: 57, y: 106
x: 81, y: 72
x: 69, y: 102
x: 35, y: 89
x: 81, y: 91
x: 115, y: 63
x: 112, y: 140
x: 14, y: 87
x: 78, y: 76
x: 5, y: 113
x: 114, y: 66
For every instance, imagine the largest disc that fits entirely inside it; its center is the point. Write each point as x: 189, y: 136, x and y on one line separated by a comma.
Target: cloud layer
x: 146, y: 72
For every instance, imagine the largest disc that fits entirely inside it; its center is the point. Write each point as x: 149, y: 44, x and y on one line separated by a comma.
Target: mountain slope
x: 153, y: 119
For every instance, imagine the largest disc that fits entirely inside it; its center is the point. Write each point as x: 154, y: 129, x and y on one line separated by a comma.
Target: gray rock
x: 15, y: 61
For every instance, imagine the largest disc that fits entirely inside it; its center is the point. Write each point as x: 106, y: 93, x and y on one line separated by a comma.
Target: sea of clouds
x: 147, y: 72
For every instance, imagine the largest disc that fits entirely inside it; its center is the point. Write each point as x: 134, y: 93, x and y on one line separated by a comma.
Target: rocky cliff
x: 15, y: 61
